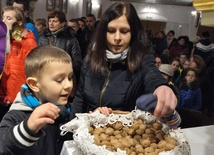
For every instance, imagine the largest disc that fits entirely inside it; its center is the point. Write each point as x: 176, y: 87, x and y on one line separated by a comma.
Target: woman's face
x: 82, y: 25
x: 190, y: 77
x: 181, y: 42
x: 9, y: 18
x: 192, y: 64
x: 39, y: 27
x: 186, y: 64
x: 182, y: 59
x: 54, y: 24
x: 175, y: 65
x: 118, y: 34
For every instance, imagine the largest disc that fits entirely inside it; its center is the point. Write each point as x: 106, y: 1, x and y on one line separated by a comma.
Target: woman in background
x: 119, y: 67
x: 40, y: 24
x: 22, y: 42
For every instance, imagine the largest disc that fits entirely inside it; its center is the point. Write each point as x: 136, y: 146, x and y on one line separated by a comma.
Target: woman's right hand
x: 103, y: 110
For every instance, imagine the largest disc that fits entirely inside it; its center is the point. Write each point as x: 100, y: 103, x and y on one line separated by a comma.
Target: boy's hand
x: 42, y: 115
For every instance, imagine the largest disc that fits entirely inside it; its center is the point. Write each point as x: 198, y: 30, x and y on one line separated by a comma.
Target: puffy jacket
x: 17, y: 139
x: 119, y: 89
x: 65, y: 40
x: 190, y: 98
x: 14, y: 74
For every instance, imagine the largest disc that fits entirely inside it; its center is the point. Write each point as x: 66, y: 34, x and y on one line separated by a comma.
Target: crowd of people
x: 56, y: 68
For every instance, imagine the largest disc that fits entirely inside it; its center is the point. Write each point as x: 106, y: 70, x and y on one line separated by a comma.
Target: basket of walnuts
x: 125, y: 133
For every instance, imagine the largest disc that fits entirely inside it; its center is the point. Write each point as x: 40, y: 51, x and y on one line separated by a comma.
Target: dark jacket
x: 80, y: 35
x: 65, y: 40
x: 119, y: 89
x: 204, y: 48
x: 190, y: 98
x: 13, y: 128
x: 160, y: 44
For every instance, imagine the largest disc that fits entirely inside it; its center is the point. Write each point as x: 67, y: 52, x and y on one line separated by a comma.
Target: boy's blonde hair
x: 40, y: 56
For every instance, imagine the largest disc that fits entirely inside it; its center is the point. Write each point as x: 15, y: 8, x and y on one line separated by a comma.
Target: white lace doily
x: 85, y: 141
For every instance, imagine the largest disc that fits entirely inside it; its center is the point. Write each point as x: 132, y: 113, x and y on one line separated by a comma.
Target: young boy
x: 31, y: 127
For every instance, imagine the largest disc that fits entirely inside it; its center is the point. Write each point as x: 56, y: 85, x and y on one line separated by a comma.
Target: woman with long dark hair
x: 119, y: 67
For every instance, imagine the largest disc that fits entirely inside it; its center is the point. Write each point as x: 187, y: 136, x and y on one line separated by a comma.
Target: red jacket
x: 14, y: 75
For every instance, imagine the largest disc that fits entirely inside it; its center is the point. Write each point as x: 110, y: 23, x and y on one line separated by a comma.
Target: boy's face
x: 55, y: 83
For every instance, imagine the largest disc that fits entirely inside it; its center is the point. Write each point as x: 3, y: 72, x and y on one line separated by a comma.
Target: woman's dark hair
x: 96, y: 57
x: 59, y: 14
x: 201, y: 65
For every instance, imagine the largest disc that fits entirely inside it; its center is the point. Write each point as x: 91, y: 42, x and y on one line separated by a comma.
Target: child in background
x: 190, y: 91
x: 186, y: 64
x: 31, y: 127
x: 182, y: 59
x: 175, y: 65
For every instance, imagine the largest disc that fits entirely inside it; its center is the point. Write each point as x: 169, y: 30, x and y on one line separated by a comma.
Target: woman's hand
x: 166, y: 103
x: 104, y: 110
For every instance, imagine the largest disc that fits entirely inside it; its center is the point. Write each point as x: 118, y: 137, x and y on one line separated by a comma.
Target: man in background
x: 90, y: 26
x: 79, y: 34
x: 205, y: 47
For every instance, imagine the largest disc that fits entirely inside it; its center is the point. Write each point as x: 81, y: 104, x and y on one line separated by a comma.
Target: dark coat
x: 204, y: 48
x: 17, y: 139
x: 65, y: 40
x: 119, y: 89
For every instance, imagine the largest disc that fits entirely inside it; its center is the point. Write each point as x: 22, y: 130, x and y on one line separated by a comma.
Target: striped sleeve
x: 24, y: 135
x: 173, y: 120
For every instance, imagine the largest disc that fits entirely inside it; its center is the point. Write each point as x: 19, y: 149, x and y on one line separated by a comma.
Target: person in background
x: 160, y: 42
x: 4, y: 50
x: 182, y: 59
x: 175, y: 63
x: 74, y: 24
x: 82, y: 23
x: 3, y: 45
x: 59, y: 35
x: 40, y: 24
x: 79, y: 34
x: 168, y: 72
x: 186, y: 64
x: 205, y: 47
x: 205, y: 83
x: 180, y: 47
x: 21, y: 43
x: 190, y: 91
x: 24, y: 5
x: 158, y: 61
x: 119, y: 67
x: 171, y: 40
x: 90, y: 27
x: 31, y: 126
x: 195, y: 40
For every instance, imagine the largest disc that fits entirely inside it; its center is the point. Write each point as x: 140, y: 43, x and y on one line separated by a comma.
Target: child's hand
x: 42, y: 115
x: 104, y: 110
